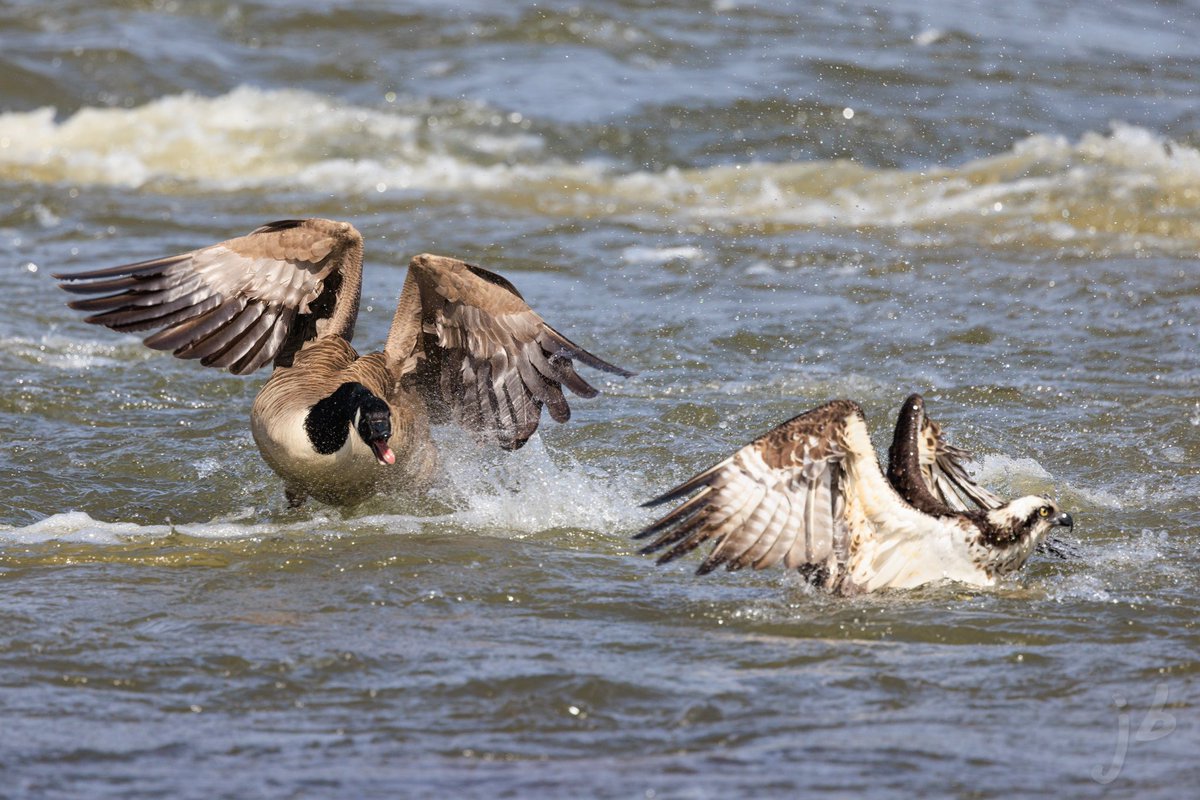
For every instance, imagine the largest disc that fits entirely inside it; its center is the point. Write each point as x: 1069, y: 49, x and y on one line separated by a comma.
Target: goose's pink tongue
x: 383, y: 452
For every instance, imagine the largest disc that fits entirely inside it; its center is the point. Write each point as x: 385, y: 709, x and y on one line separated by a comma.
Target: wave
x: 512, y: 495
x: 68, y: 354
x: 1130, y: 185
x: 252, y: 138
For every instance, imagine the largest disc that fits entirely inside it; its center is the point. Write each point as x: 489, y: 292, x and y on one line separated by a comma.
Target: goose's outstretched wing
x: 480, y: 355
x: 783, y: 498
x: 239, y: 304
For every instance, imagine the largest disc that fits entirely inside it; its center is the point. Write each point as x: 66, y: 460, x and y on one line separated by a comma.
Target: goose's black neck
x: 328, y: 421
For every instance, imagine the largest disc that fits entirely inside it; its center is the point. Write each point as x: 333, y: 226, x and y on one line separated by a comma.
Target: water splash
x: 504, y: 494
x: 1011, y: 475
x: 529, y: 491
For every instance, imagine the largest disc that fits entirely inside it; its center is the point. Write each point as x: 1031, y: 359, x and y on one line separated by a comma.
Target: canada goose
x: 810, y: 494
x: 463, y: 345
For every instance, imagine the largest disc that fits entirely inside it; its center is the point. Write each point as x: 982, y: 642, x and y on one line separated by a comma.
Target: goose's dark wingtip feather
x: 556, y: 340
x: 135, y: 268
x: 595, y: 362
x: 615, y: 370
x: 599, y: 363
x: 278, y: 225
x: 82, y: 305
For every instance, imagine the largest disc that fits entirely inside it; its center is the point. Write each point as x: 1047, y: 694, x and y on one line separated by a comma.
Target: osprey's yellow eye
x: 1044, y: 512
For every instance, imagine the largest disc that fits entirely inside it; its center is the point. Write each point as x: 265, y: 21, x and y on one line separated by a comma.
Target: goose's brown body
x: 353, y: 473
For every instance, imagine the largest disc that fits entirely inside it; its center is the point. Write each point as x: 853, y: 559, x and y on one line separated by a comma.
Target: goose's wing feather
x: 239, y: 304
x: 943, y: 466
x: 480, y: 355
x: 783, y: 498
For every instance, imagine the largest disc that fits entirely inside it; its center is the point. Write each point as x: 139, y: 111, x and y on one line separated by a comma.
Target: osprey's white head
x: 1027, y: 518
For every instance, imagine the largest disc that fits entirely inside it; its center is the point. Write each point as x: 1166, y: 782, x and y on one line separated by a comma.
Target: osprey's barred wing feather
x: 942, y: 467
x: 944, y: 473
x: 780, y: 499
x: 239, y: 304
x: 484, y: 358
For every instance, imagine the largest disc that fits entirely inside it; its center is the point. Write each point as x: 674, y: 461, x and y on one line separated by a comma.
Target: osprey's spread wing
x: 239, y: 304
x: 808, y: 492
x: 480, y: 355
x: 942, y: 467
x: 943, y: 471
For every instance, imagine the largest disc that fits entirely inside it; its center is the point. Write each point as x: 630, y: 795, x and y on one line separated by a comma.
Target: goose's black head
x: 351, y: 405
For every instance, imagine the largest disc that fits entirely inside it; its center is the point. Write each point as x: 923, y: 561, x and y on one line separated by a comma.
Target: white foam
x: 1107, y: 571
x: 80, y: 527
x: 77, y: 526
x: 64, y: 353
x: 253, y: 137
x: 660, y: 255
x: 1080, y: 585
x: 529, y: 491
x: 929, y: 36
x: 257, y: 138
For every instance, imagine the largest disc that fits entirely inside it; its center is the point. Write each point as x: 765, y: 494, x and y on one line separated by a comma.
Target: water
x: 758, y: 207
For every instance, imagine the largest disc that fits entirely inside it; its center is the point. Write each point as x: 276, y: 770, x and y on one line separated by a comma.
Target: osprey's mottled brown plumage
x: 463, y: 345
x: 810, y: 495
x: 928, y: 471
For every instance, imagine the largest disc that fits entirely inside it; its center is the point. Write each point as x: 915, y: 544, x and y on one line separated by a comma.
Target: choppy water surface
x: 758, y: 207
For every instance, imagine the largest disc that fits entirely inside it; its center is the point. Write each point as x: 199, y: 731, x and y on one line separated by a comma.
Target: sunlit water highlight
x: 757, y: 207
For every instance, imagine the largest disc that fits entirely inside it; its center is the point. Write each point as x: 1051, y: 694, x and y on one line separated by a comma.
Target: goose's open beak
x: 383, y: 453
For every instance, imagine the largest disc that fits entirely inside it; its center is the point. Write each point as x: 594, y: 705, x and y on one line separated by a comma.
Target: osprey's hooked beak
x: 1064, y: 520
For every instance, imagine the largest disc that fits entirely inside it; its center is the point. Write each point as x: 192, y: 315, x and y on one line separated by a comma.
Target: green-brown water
x: 758, y: 207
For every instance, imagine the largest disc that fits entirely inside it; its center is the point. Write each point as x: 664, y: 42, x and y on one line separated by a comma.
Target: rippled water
x: 758, y: 207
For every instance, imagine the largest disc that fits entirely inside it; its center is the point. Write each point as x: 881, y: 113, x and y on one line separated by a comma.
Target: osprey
x: 810, y: 494
x: 463, y: 345
x: 939, y: 469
